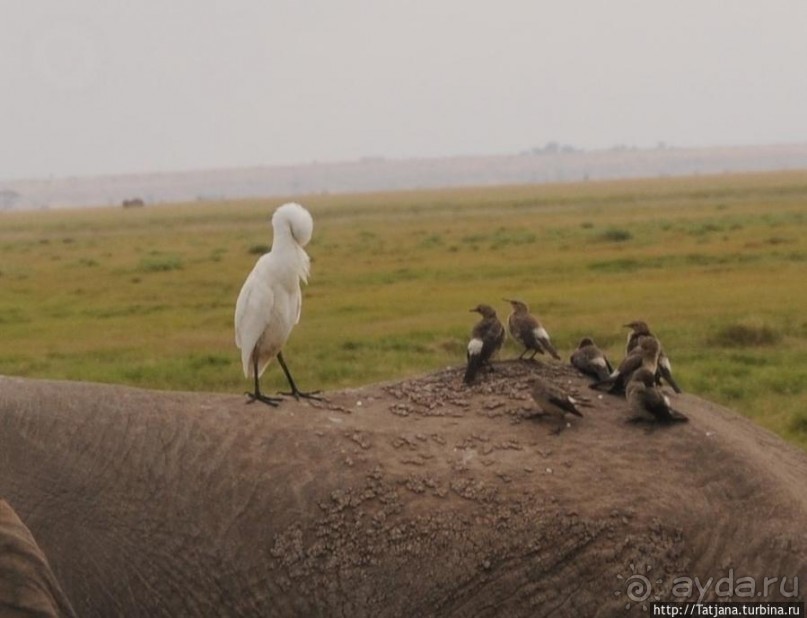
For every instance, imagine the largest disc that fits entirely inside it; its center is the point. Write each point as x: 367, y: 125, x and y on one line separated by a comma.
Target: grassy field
x: 716, y: 265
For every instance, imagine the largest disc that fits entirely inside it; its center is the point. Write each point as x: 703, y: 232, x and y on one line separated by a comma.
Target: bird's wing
x: 539, y: 332
x: 585, y: 360
x: 492, y: 335
x: 629, y: 364
x: 512, y: 326
x: 542, y: 337
x: 474, y: 360
x: 657, y: 404
x: 252, y: 312
x: 521, y: 326
x: 567, y: 403
x: 299, y: 300
x: 598, y: 365
x: 665, y: 369
x: 560, y: 400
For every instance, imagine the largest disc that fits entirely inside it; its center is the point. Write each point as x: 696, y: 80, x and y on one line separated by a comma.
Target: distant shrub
x: 616, y: 266
x: 216, y: 254
x: 433, y: 240
x: 501, y: 237
x: 744, y: 336
x: 706, y: 228
x: 209, y: 360
x: 158, y: 264
x: 504, y: 237
x: 615, y: 234
x: 799, y: 423
x: 258, y: 249
x: 702, y: 229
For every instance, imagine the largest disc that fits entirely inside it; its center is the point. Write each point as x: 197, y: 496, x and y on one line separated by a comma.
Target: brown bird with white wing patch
x: 527, y: 330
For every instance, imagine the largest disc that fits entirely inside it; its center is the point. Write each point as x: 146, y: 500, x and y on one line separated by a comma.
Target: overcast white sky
x: 113, y: 86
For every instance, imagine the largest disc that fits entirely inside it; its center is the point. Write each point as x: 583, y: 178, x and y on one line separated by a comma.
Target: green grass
x: 716, y: 265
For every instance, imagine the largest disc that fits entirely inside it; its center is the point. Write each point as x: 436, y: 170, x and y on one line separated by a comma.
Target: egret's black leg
x: 257, y: 395
x: 295, y: 392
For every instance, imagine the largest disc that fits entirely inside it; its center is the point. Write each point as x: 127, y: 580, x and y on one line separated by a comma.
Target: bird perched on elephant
x: 590, y: 360
x: 553, y: 402
x: 647, y: 402
x: 270, y: 301
x: 527, y: 330
x: 487, y: 338
x: 645, y: 355
x: 640, y: 329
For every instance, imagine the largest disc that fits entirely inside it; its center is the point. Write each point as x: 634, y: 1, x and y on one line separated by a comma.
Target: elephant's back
x: 418, y: 497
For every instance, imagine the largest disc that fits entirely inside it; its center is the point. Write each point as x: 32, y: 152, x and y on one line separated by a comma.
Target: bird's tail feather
x: 678, y: 417
x: 667, y: 375
x: 474, y: 363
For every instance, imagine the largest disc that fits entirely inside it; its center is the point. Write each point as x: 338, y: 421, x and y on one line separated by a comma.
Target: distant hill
x: 379, y: 174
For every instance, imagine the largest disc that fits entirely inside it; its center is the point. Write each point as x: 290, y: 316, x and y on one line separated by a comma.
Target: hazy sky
x: 112, y: 86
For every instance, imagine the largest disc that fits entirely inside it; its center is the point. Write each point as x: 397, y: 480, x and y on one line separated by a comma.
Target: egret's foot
x: 315, y: 395
x: 270, y: 401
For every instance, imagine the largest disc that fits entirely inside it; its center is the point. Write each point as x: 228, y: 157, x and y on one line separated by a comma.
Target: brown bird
x: 644, y: 356
x: 647, y: 402
x: 487, y: 338
x: 527, y: 330
x: 640, y: 329
x: 590, y: 360
x: 554, y: 402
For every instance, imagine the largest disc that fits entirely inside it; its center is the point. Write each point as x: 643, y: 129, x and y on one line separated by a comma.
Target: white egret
x: 270, y: 300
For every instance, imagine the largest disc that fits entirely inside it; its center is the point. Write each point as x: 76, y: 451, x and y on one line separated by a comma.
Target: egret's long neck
x: 292, y: 255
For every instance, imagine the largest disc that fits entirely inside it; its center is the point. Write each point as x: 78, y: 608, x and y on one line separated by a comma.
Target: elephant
x: 417, y: 497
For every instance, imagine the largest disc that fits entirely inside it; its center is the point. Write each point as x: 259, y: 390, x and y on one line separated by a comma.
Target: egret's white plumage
x: 270, y: 300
